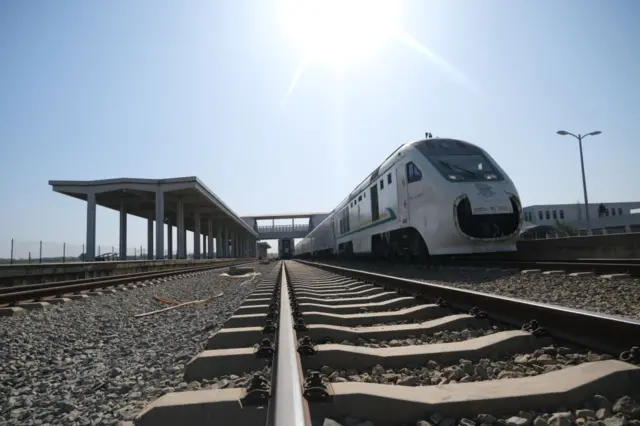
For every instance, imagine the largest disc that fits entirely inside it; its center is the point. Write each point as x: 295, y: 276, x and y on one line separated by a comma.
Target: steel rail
x: 607, y: 333
x: 135, y: 275
x: 288, y: 406
x: 577, y: 265
x: 59, y: 290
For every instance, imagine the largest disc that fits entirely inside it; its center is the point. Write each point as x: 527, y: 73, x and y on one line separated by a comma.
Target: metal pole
x: 84, y: 255
x: 11, y: 260
x: 290, y: 407
x: 64, y: 252
x: 584, y: 186
x: 40, y: 259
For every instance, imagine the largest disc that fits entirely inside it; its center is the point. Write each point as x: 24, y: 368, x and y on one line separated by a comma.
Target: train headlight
x: 453, y: 177
x: 491, y: 176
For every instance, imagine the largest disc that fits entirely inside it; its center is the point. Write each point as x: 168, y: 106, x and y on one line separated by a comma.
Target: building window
x: 619, y: 211
x: 561, y: 214
x: 555, y: 214
x: 413, y: 173
x: 546, y: 213
x: 613, y: 212
x: 540, y: 214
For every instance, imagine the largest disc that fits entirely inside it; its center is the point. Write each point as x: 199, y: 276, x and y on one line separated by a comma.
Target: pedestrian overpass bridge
x: 279, y: 231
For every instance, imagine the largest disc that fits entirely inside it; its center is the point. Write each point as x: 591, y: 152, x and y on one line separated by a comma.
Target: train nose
x: 487, y: 226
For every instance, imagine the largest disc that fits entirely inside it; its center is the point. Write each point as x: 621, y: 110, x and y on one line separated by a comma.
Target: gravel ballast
x: 591, y: 293
x: 444, y: 336
x: 544, y: 360
x: 597, y: 411
x: 91, y: 362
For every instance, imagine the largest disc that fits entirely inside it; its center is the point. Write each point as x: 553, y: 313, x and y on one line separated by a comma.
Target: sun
x: 339, y: 32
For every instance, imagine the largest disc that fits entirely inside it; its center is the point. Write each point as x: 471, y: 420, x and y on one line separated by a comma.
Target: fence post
x: 29, y: 258
x: 40, y: 260
x: 84, y: 255
x: 64, y: 252
x: 11, y: 259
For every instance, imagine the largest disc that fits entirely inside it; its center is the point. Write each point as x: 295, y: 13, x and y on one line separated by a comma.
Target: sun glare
x: 338, y: 32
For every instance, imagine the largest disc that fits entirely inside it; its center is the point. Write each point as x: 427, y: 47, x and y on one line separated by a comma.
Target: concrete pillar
x: 197, y: 234
x: 180, y: 229
x: 219, y: 252
x: 123, y: 230
x: 90, y: 248
x: 159, y: 223
x: 150, y: 238
x: 210, y: 238
x: 184, y: 243
x: 169, y: 240
x: 203, y: 244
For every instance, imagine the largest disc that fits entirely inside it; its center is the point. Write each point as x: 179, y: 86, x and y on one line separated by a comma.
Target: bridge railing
x: 270, y: 229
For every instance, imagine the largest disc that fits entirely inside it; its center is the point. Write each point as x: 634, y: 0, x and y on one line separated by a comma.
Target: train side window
x: 413, y: 173
x: 546, y: 213
x: 540, y: 214
x: 561, y: 214
x: 381, y: 184
x: 555, y: 214
x: 389, y: 178
x: 613, y: 212
x: 359, y: 197
x: 619, y: 211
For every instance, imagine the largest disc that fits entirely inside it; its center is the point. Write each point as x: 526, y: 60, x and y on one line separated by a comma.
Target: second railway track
x: 345, y: 347
x: 60, y: 291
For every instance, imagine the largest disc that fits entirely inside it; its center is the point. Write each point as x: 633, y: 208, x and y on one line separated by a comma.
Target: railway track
x: 583, y: 266
x: 61, y: 291
x: 334, y: 346
x: 595, y: 266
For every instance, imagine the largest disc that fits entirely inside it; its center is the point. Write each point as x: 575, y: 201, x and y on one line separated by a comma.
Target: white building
x: 606, y: 218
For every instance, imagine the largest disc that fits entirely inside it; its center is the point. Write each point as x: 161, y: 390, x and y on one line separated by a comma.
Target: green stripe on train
x: 392, y: 217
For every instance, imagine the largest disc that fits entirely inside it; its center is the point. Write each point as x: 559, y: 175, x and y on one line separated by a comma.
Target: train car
x: 430, y: 197
x: 285, y: 248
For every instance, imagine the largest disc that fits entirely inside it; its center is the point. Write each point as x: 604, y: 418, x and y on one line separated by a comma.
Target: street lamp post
x: 584, y: 180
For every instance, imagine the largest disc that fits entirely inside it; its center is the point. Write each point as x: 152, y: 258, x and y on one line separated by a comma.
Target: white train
x: 434, y: 196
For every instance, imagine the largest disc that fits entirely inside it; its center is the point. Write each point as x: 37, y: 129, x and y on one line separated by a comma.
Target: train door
x: 375, y: 208
x: 403, y: 197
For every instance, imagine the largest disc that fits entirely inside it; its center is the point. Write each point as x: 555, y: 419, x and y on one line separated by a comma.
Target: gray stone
x: 584, y: 413
x: 92, y: 363
x: 615, y: 421
x: 625, y: 405
x: 517, y: 421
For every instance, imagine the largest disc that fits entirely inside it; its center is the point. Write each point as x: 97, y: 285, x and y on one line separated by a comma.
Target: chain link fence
x: 20, y: 252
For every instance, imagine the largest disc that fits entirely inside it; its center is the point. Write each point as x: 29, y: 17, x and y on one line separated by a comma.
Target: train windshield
x: 458, y: 161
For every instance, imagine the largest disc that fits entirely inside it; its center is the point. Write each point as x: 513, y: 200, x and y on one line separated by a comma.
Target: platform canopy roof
x: 138, y: 196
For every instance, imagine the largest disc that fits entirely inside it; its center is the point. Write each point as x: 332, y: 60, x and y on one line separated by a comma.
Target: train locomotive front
x: 474, y: 205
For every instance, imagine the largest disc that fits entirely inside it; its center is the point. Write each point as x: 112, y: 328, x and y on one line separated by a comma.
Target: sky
x: 158, y: 88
